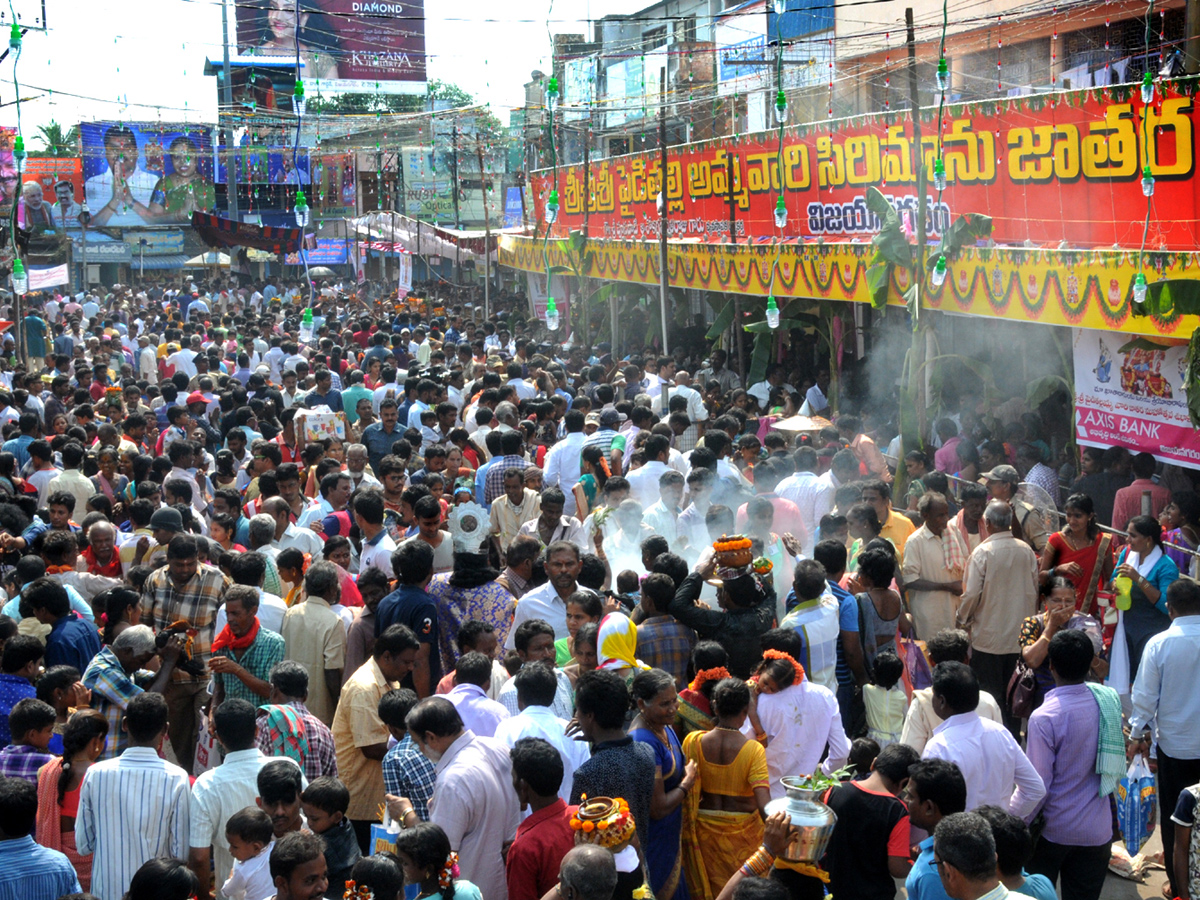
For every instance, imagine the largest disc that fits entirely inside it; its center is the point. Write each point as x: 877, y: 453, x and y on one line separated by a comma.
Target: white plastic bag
x: 1118, y: 662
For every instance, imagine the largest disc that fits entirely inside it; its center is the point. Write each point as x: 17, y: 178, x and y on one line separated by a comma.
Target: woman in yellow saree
x: 723, y: 818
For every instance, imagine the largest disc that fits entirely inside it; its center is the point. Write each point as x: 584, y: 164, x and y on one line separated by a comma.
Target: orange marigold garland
x: 779, y: 654
x: 704, y: 676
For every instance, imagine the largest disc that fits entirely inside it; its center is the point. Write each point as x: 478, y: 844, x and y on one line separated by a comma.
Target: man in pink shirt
x: 1128, y: 502
x: 946, y: 458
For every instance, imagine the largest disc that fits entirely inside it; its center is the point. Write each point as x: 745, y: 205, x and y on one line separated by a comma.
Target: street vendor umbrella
x: 322, y: 272
x: 807, y: 424
x: 210, y: 260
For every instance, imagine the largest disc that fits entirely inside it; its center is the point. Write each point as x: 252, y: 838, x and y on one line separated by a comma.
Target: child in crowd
x: 250, y: 837
x: 479, y: 637
x: 31, y: 724
x: 325, y: 802
x: 885, y: 699
x: 582, y: 607
x: 863, y: 751
x: 61, y: 688
x: 427, y: 860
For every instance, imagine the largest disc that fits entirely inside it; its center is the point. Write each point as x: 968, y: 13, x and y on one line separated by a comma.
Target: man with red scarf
x: 101, y: 553
x: 244, y: 653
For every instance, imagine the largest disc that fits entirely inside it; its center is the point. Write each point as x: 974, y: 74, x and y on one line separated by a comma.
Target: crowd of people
x: 393, y: 599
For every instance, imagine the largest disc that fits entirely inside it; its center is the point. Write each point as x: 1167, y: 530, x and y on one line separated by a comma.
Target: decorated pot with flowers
x: 733, y: 552
x: 605, y: 821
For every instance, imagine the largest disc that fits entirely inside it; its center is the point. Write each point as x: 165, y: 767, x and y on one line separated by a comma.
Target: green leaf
x: 879, y: 273
x: 890, y: 243
x: 760, y: 358
x: 1180, y: 296
x: 723, y: 320
x: 1191, y: 378
x: 561, y: 270
x: 1140, y: 343
x: 763, y: 328
x: 967, y: 228
x: 1044, y: 388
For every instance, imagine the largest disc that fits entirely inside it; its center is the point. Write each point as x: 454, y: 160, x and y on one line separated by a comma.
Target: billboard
x: 1133, y: 396
x: 334, y: 190
x: 146, y: 173
x: 1013, y: 160
x: 347, y: 45
x: 10, y: 179
x: 269, y: 165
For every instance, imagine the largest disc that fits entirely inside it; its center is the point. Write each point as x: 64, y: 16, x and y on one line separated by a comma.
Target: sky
x: 147, y: 63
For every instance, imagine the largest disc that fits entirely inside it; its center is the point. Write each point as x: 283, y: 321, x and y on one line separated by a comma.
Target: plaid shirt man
x: 22, y: 761
x: 408, y: 773
x: 663, y: 643
x: 259, y: 658
x: 493, y: 485
x: 196, y: 600
x: 112, y: 689
x: 274, y: 740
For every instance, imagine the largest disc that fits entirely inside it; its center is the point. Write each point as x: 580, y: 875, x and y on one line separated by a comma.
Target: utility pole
x: 227, y: 133
x: 662, y: 234
x: 454, y: 188
x: 487, y: 231
x: 737, y: 298
x: 918, y: 155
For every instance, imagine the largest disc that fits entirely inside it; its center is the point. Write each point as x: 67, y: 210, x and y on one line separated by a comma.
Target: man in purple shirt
x: 1064, y: 739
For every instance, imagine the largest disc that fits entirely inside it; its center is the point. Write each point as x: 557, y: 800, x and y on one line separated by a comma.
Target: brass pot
x: 811, y: 821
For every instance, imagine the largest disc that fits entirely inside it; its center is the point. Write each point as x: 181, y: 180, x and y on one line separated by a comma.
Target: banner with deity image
x: 1130, y: 393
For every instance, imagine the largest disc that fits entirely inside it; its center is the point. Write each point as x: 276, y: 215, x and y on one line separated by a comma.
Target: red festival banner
x: 1046, y: 169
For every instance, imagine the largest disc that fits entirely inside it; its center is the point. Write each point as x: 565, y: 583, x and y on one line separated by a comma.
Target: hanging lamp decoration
x: 781, y: 108
x: 938, y: 276
x: 298, y: 102
x: 552, y: 207
x: 943, y: 76
x: 780, y: 213
x: 1147, y: 182
x: 551, y: 315
x: 772, y: 313
x: 302, y: 213
x: 1139, y: 289
x: 1147, y: 89
x: 939, y: 174
x: 20, y: 280
x: 18, y: 152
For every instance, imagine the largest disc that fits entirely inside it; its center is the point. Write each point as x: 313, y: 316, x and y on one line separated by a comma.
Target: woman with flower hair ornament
x: 428, y: 862
x: 707, y: 668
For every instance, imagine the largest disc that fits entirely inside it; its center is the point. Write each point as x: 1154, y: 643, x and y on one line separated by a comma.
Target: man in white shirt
x: 1165, y: 698
x: 183, y: 360
x: 147, y: 360
x: 473, y: 802
x: 549, y: 602
x: 952, y: 645
x: 562, y: 462
x: 812, y: 494
x: 762, y: 391
x: 525, y: 390
x: 996, y: 770
x: 536, y: 686
x: 643, y: 482
x: 818, y: 403
x: 225, y: 790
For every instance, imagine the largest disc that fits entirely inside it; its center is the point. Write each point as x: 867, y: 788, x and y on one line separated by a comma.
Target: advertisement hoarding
x: 1133, y: 396
x: 334, y: 191
x: 1014, y: 160
x: 269, y: 165
x: 347, y: 45
x: 146, y: 174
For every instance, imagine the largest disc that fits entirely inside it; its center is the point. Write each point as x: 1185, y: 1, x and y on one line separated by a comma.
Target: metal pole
x: 662, y: 235
x: 919, y: 161
x: 227, y: 100
x: 737, y: 298
x: 487, y: 230
x: 85, y: 268
x: 585, y: 312
x: 457, y: 220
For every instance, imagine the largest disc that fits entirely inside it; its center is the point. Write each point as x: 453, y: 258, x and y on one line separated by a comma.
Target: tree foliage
x: 57, y: 142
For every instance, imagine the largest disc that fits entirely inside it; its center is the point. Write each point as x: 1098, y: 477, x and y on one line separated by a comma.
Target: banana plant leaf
x: 967, y: 228
x: 722, y: 321
x: 1178, y: 295
x: 1140, y: 343
x: 1191, y: 378
x: 760, y: 358
x: 1044, y: 388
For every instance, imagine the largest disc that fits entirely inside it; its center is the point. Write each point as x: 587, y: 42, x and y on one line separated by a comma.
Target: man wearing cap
x: 150, y: 548
x: 1027, y: 522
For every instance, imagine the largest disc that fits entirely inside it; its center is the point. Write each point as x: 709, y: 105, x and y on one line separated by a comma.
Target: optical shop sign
x: 1129, y: 393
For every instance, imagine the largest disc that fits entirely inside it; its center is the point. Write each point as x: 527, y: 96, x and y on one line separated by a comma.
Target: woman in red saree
x: 1073, y: 552
x: 707, y: 667
x: 58, y: 787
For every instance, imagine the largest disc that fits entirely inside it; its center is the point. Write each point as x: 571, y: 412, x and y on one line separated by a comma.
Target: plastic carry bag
x: 1137, y: 805
x: 208, y: 754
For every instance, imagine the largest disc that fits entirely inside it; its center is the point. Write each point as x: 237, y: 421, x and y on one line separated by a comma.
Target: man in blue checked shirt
x: 28, y: 871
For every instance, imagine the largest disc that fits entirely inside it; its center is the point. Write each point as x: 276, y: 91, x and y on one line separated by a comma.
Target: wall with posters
x: 334, y: 189
x: 1133, y: 396
x: 1068, y: 169
x: 348, y: 45
x: 146, y: 173
x: 269, y: 165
